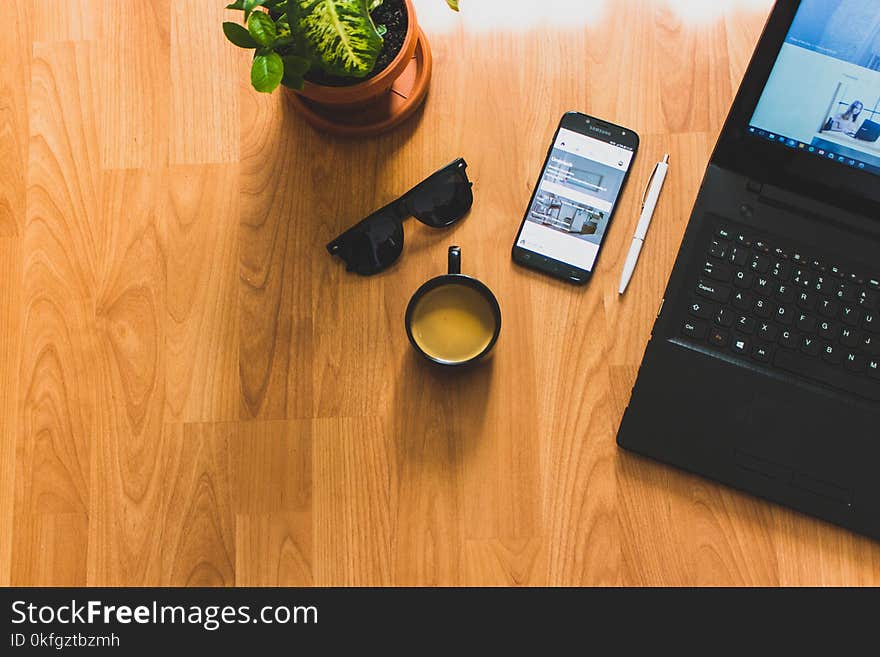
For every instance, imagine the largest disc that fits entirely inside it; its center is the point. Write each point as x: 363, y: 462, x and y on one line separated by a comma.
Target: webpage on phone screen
x: 575, y: 198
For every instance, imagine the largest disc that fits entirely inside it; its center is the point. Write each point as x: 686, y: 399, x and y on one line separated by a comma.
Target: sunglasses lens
x: 371, y: 246
x: 442, y: 199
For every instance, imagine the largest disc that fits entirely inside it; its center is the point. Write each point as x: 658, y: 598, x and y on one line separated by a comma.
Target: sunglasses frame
x: 400, y: 209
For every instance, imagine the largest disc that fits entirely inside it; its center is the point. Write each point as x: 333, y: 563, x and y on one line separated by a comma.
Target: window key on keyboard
x: 829, y: 375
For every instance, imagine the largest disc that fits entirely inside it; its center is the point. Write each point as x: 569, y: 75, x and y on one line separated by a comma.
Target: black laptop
x: 763, y: 367
x: 870, y: 131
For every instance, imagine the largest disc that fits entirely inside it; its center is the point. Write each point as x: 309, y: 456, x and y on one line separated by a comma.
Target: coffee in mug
x: 453, y: 319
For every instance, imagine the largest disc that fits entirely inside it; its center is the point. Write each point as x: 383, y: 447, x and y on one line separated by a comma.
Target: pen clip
x: 648, y: 186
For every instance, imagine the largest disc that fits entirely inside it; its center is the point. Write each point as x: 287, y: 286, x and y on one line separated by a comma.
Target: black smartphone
x: 566, y: 221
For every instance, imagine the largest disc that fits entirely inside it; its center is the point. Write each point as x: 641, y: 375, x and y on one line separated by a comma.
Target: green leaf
x: 262, y: 28
x: 275, y: 7
x: 266, y: 72
x: 340, y: 33
x: 453, y: 4
x: 375, y: 4
x: 382, y: 30
x: 238, y: 35
x: 293, y: 81
x: 296, y: 65
x: 238, y: 4
x: 250, y: 5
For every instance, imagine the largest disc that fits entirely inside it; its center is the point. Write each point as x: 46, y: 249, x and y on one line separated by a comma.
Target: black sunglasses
x: 438, y: 201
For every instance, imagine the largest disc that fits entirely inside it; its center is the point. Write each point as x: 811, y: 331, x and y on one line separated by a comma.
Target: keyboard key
x: 745, y: 324
x: 868, y: 299
x: 846, y: 292
x: 789, y: 339
x: 718, y: 250
x: 854, y: 362
x: 806, y: 323
x: 740, y: 345
x: 781, y: 270
x: 856, y: 279
x: 713, y: 291
x: 828, y: 308
x: 718, y: 337
x: 743, y: 300
x: 827, y: 330
x: 762, y: 246
x: 850, y: 338
x: 870, y: 322
x: 764, y: 308
x: 694, y: 330
x: 743, y: 239
x: 810, y: 346
x: 760, y: 264
x: 702, y: 309
x: 818, y: 265
x: 874, y: 283
x: 850, y: 315
x: 743, y: 278
x: 739, y: 256
x: 762, y: 353
x: 717, y: 272
x: 806, y: 301
x: 834, y: 270
x: 767, y: 331
x: 785, y: 293
x: 724, y: 234
x: 784, y: 315
x: 823, y: 286
x: 831, y: 353
x: 873, y: 367
x: 803, y: 277
x: 725, y: 318
x: 763, y: 286
x: 781, y: 253
x: 871, y: 345
x: 828, y: 375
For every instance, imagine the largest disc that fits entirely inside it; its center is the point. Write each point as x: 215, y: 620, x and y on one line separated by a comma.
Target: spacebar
x: 830, y: 376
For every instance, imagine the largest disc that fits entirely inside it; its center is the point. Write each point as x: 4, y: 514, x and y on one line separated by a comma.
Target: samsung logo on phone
x: 607, y: 133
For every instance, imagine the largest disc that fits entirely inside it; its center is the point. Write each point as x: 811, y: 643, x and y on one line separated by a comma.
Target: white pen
x: 649, y: 204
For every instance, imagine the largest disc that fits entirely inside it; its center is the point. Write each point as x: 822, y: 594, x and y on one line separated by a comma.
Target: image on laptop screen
x: 823, y: 95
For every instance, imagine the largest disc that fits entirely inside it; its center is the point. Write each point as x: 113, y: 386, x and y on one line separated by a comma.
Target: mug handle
x: 454, y: 260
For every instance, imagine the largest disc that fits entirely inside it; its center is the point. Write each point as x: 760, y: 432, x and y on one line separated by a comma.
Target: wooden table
x: 193, y: 392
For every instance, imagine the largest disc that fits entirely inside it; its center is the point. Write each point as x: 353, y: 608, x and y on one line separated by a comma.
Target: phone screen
x: 575, y: 199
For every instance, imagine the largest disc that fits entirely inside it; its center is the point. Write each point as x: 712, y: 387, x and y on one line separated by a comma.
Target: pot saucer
x: 406, y: 96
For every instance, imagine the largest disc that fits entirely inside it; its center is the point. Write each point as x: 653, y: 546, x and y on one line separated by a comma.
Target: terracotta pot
x: 367, y: 107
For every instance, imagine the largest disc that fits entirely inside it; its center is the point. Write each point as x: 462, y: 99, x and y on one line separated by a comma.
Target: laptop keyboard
x: 782, y: 308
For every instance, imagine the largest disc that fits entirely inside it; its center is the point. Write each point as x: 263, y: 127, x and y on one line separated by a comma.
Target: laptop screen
x: 823, y: 95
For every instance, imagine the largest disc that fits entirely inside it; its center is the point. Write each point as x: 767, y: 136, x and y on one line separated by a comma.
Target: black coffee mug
x: 453, y: 320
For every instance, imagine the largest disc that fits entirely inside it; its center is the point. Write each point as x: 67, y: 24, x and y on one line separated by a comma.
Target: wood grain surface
x: 192, y: 392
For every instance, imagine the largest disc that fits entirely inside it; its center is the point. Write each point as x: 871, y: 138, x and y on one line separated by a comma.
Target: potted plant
x: 338, y: 59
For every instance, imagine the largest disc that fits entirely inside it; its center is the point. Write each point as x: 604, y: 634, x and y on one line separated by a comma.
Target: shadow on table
x: 354, y: 168
x: 439, y: 414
